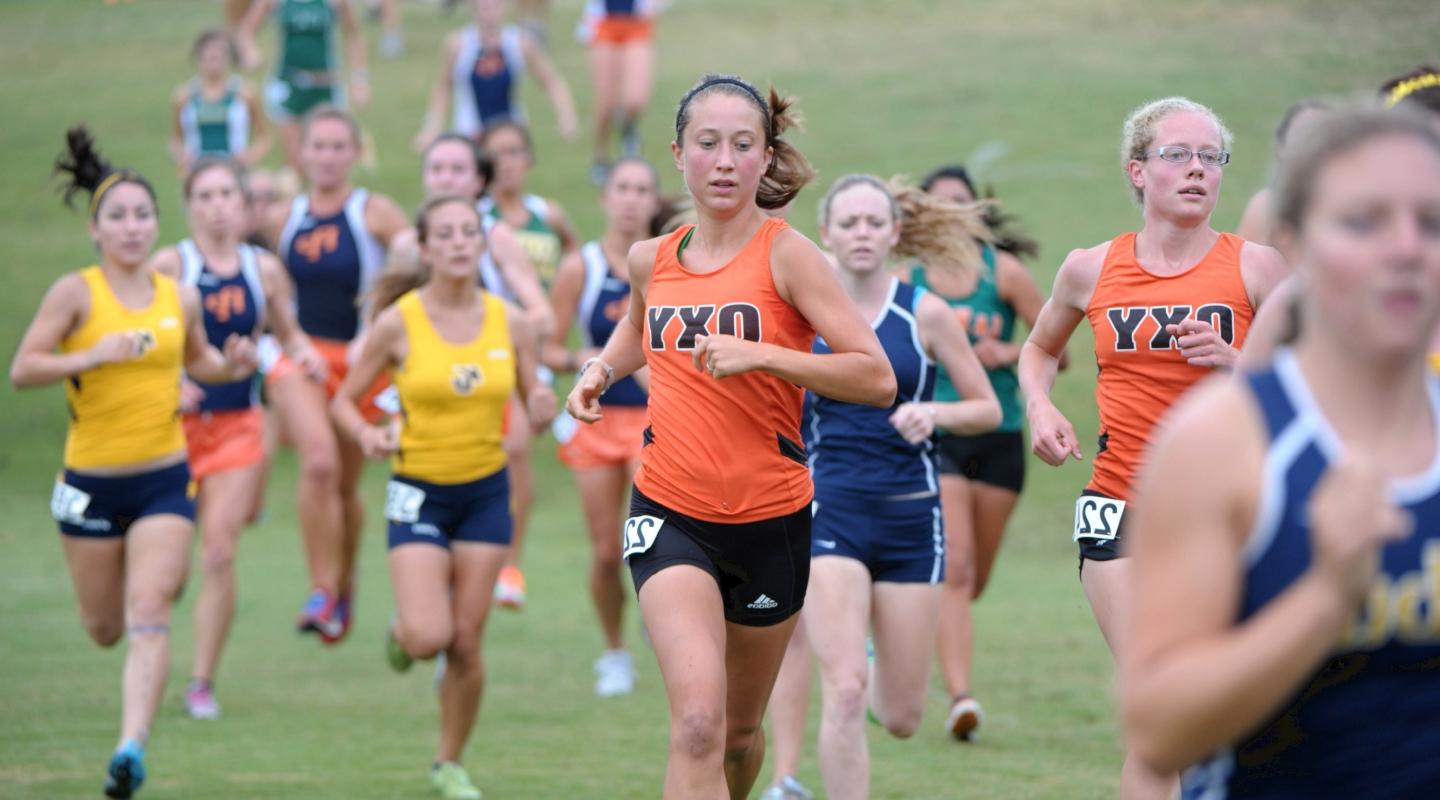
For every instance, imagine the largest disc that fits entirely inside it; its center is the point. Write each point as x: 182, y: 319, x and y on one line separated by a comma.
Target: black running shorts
x: 761, y: 568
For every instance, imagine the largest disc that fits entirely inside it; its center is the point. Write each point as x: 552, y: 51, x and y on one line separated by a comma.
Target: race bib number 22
x: 1098, y: 518
x: 639, y: 534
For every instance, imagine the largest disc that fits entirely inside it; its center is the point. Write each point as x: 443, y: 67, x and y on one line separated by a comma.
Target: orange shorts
x: 224, y: 440
x: 620, y: 30
x: 336, y: 358
x: 615, y: 440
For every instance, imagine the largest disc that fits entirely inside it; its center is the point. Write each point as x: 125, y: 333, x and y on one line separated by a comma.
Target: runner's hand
x: 1052, y: 437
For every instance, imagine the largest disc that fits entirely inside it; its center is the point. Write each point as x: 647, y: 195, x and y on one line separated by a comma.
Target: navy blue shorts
x: 898, y: 540
x: 438, y: 514
x: 101, y: 507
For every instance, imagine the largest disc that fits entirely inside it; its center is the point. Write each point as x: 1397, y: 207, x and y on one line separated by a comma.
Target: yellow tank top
x: 453, y: 397
x: 1435, y: 361
x: 127, y: 413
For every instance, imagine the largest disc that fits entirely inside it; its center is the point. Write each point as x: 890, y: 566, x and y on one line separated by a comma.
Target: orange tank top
x: 1141, y: 371
x: 725, y: 450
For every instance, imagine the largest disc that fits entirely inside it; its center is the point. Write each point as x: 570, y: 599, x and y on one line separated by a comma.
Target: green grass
x: 886, y: 87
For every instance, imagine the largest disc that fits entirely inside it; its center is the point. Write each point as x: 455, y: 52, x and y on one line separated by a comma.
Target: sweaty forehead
x: 725, y: 112
x: 1189, y: 128
x: 453, y: 214
x: 861, y: 199
x: 126, y: 194
x: 448, y: 154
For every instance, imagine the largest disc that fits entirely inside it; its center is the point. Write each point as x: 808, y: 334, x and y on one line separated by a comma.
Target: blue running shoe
x: 319, y: 616
x: 127, y: 770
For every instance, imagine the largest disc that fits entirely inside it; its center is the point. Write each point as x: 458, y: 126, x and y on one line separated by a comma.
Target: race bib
x: 388, y: 400
x: 68, y: 504
x: 1098, y: 518
x: 639, y: 535
x: 564, y: 426
x: 403, y: 502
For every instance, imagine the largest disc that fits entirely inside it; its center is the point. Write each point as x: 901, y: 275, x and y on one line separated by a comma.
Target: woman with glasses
x: 1168, y: 306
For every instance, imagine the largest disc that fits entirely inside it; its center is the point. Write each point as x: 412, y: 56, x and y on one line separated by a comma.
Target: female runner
x: 332, y: 240
x: 1168, y: 305
x: 124, y: 502
x: 724, y: 313
x: 593, y: 289
x: 879, y: 545
x: 241, y: 289
x: 456, y: 353
x: 1282, y: 641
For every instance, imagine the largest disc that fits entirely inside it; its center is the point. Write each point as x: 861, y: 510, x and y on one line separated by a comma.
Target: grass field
x: 895, y: 86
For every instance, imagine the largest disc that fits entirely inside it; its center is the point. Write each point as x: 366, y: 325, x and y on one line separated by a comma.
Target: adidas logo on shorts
x: 763, y: 602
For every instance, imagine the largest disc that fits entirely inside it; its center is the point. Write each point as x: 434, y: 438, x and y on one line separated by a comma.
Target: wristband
x: 609, y: 371
x: 359, y: 76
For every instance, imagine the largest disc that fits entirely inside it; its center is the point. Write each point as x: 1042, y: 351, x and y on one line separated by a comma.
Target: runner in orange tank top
x: 1167, y: 305
x: 718, y: 539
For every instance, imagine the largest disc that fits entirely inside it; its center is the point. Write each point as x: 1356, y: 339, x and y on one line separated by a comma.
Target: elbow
x: 883, y: 387
x: 1152, y: 736
x: 992, y: 417
x: 20, y: 377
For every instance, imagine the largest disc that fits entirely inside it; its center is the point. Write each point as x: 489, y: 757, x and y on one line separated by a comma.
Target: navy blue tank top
x: 1365, y: 725
x: 493, y: 84
x: 604, y: 302
x: 854, y: 447
x: 232, y: 305
x: 332, y: 260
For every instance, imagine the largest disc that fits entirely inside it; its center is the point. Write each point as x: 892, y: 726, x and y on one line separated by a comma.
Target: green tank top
x: 209, y: 122
x: 983, y: 313
x: 307, y: 38
x: 540, y: 241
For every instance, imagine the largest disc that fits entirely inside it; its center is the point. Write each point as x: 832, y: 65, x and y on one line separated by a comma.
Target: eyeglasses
x: 1177, y: 154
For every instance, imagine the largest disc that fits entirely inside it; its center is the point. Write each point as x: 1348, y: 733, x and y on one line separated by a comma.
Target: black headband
x: 747, y: 88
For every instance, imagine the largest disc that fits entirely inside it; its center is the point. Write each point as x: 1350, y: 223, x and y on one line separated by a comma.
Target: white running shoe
x: 789, y: 788
x: 965, y: 718
x: 614, y: 674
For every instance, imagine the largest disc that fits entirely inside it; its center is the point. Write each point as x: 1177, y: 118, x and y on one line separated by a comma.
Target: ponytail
x: 942, y: 234
x: 83, y: 169
x: 789, y: 169
x: 393, y: 283
x: 934, y: 230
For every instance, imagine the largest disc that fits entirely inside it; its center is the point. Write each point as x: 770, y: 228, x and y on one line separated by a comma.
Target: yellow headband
x: 110, y: 180
x: 1406, y: 88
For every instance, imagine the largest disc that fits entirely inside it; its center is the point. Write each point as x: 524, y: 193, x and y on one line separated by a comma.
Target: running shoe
x: 614, y: 674
x: 452, y: 782
x: 630, y: 141
x: 599, y: 173
x: 510, y: 588
x: 392, y: 44
x: 200, y: 700
x: 318, y: 616
x: 965, y: 718
x: 343, y: 612
x: 126, y: 771
x: 789, y: 788
x: 400, y: 661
